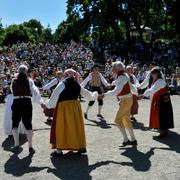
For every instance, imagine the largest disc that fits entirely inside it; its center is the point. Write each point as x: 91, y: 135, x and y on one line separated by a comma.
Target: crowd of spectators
x: 44, y: 60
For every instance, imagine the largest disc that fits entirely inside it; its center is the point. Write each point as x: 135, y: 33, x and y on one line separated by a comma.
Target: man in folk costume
x: 95, y: 80
x: 23, y: 89
x: 161, y: 113
x: 135, y: 82
x: 123, y: 91
x: 67, y: 130
x: 52, y: 85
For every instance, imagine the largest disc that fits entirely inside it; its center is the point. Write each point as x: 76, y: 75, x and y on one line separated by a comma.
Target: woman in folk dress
x: 67, y: 130
x: 161, y: 113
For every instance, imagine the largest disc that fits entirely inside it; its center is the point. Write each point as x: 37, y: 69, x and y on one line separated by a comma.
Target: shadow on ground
x: 172, y: 141
x: 102, y: 123
x: 18, y: 167
x: 75, y: 167
x: 8, y: 143
x: 139, y: 161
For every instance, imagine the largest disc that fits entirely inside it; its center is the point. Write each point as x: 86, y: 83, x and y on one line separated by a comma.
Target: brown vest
x: 22, y: 89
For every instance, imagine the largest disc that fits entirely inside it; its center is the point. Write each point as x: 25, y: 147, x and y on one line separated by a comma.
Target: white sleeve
x: 136, y: 82
x: 103, y: 80
x: 91, y: 96
x: 156, y: 87
x: 35, y: 92
x: 120, y: 82
x: 84, y: 83
x: 55, y: 96
x: 50, y: 84
x: 145, y: 83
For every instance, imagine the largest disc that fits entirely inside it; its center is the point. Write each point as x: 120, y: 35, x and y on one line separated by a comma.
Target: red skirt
x: 134, y: 108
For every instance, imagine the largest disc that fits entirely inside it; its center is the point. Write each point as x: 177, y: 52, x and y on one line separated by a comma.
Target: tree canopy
x: 102, y: 21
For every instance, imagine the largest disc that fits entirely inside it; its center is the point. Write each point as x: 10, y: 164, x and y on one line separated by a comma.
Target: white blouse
x: 58, y: 90
x: 159, y: 84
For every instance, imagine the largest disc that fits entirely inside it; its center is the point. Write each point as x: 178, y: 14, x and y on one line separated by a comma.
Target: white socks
x: 123, y: 132
x: 29, y: 136
x: 16, y: 136
x: 131, y: 133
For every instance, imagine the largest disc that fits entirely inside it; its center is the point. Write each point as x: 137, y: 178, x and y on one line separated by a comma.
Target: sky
x: 46, y: 11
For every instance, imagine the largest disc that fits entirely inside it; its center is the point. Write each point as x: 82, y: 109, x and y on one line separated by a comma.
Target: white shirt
x: 159, y: 84
x: 119, y: 84
x: 52, y: 83
x: 89, y: 78
x: 58, y: 90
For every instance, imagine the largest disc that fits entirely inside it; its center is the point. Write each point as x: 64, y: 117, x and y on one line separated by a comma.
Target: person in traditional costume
x: 23, y: 88
x: 135, y: 82
x: 122, y: 90
x: 148, y: 79
x: 8, y: 115
x: 95, y: 81
x: 67, y: 129
x: 51, y: 86
x: 161, y: 113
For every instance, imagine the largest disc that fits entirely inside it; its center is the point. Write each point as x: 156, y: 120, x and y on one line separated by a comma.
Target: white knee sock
x: 123, y: 132
x: 15, y: 136
x: 99, y: 109
x: 131, y: 133
x: 29, y: 136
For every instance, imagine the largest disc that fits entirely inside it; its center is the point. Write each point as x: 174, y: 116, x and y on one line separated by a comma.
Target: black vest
x: 71, y: 91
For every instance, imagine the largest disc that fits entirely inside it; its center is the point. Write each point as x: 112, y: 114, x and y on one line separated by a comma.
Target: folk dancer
x: 23, y: 89
x: 122, y: 90
x: 135, y: 82
x: 51, y: 86
x: 161, y: 112
x: 67, y: 130
x: 95, y: 80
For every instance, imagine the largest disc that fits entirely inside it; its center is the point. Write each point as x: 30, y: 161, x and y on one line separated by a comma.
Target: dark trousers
x: 22, y: 110
x: 100, y: 101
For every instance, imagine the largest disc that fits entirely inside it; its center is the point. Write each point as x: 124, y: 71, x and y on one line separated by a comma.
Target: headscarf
x: 71, y: 73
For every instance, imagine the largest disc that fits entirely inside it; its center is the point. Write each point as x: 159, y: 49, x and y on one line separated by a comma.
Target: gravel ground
x: 105, y: 160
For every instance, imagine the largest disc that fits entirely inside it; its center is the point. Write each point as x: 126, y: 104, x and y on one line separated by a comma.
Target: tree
x: 17, y: 33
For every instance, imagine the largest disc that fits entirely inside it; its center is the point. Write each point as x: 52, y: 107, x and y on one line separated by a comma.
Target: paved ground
x: 152, y: 159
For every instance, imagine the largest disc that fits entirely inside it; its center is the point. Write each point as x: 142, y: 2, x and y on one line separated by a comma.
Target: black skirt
x: 166, y: 119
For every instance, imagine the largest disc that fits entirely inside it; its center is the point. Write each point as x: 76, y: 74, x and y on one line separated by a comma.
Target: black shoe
x: 100, y: 116
x: 31, y: 150
x: 81, y: 151
x: 126, y: 143
x: 133, y: 119
x: 85, y: 116
x: 49, y: 121
x: 16, y: 149
x: 133, y: 143
x: 56, y: 154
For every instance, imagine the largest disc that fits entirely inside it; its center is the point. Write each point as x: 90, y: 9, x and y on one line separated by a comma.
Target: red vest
x: 125, y: 90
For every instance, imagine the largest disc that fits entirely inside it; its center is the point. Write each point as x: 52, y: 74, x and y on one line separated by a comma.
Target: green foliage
x: 102, y: 20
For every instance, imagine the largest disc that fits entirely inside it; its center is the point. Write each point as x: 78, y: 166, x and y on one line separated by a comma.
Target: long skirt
x: 67, y: 130
x: 161, y: 115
